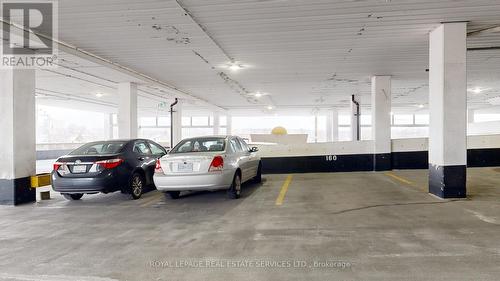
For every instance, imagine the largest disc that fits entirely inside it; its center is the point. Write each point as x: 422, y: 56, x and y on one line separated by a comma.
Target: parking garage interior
x: 377, y: 124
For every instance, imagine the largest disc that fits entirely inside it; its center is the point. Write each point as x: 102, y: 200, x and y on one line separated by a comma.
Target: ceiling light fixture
x: 420, y: 106
x: 99, y: 95
x: 235, y: 66
x: 258, y: 94
x: 270, y: 107
x: 477, y: 90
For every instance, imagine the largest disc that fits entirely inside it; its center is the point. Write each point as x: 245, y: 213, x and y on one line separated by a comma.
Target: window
x: 200, y: 145
x: 186, y: 121
x: 486, y: 117
x: 421, y: 119
x: 147, y: 121
x: 366, y: 119
x: 403, y: 119
x: 200, y: 121
x: 141, y: 148
x: 164, y: 121
x: 99, y: 148
x: 155, y: 149
x: 191, y: 132
x: 244, y: 145
x: 245, y: 126
x: 223, y: 120
x: 345, y: 119
x: 236, y: 145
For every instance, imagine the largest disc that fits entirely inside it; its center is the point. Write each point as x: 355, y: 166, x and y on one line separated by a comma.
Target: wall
x: 483, y: 151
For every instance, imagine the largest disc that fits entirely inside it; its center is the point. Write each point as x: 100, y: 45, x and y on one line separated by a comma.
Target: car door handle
x: 140, y: 158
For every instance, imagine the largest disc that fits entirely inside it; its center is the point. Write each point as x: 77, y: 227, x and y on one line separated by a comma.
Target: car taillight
x: 57, y: 165
x: 158, y: 168
x: 110, y: 164
x: 217, y: 164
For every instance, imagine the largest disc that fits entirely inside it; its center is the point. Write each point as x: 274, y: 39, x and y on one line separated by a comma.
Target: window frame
x: 145, y: 144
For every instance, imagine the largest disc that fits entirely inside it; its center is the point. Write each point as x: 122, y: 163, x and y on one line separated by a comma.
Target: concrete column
x: 355, y: 126
x: 381, y: 122
x: 108, y: 126
x: 335, y: 125
x: 448, y: 111
x: 332, y: 125
x: 470, y: 116
x: 216, y: 123
x: 329, y: 127
x: 18, y: 136
x: 229, y: 124
x: 127, y: 110
x: 177, y: 123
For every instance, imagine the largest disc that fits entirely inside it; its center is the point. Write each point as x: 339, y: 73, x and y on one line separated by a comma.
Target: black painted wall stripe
x: 484, y: 157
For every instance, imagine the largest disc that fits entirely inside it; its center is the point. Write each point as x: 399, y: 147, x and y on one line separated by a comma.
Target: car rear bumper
x: 208, y: 181
x: 104, y: 183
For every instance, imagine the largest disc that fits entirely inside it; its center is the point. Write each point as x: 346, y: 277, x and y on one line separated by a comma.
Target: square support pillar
x: 332, y: 125
x: 448, y: 111
x: 176, y: 129
x: 216, y: 123
x: 127, y: 110
x: 229, y: 124
x: 381, y: 123
x: 18, y: 141
x: 471, y: 116
x: 108, y: 126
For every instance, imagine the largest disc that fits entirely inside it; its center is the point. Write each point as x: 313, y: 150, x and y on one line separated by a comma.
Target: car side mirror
x: 254, y: 149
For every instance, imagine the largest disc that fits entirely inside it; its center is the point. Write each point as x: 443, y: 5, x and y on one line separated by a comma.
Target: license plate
x: 79, y: 169
x: 185, y: 167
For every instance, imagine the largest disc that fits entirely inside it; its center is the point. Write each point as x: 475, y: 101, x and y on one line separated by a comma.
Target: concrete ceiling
x: 301, y: 53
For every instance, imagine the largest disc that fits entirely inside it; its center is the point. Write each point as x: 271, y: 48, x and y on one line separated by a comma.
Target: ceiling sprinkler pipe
x: 358, y: 117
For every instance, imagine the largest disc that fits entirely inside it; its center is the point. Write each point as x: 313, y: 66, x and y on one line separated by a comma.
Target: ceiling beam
x: 78, y: 52
x: 491, y: 29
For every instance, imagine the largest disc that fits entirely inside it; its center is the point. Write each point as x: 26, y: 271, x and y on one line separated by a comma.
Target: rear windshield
x: 200, y: 145
x: 99, y: 148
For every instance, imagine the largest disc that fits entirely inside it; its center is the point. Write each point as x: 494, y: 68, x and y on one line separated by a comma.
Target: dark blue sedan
x: 107, y: 166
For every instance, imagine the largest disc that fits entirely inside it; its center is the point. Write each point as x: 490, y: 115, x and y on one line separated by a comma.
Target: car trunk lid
x: 187, y: 163
x: 81, y: 165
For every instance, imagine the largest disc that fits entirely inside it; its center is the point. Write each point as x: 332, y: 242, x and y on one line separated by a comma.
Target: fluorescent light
x: 235, y: 66
x: 270, y: 107
x: 99, y: 95
x: 420, y: 106
x: 476, y: 90
x: 258, y: 94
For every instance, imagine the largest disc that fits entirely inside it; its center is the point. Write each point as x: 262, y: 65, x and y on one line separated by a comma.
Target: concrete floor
x: 372, y: 226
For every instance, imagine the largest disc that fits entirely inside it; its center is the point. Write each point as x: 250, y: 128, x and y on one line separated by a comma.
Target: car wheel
x: 136, y: 186
x: 73, y: 196
x: 234, y: 191
x: 173, y: 194
x: 258, y: 177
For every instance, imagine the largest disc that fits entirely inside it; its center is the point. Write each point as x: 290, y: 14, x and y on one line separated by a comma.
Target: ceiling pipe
x: 358, y: 117
x: 188, y: 14
x: 491, y: 29
x: 483, y: 48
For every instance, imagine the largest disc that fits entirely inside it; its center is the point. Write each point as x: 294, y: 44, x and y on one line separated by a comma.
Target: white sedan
x: 208, y: 163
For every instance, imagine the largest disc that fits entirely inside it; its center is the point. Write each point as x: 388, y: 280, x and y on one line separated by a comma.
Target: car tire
x: 136, y: 186
x: 234, y: 192
x: 73, y: 196
x: 173, y: 194
x: 258, y: 177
